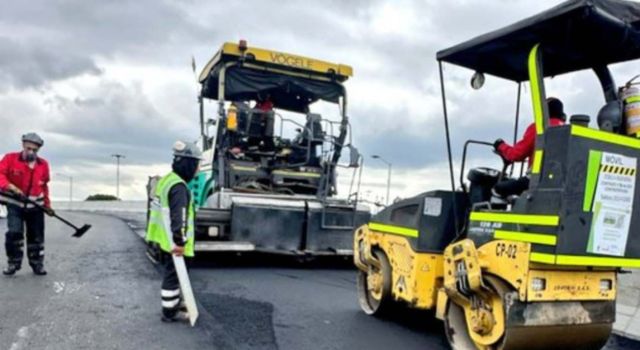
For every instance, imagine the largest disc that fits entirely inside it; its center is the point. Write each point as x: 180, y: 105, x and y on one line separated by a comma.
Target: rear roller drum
x: 374, y: 286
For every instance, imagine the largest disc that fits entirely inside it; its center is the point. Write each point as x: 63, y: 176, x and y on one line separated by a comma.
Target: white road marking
x: 22, y: 334
x: 58, y: 287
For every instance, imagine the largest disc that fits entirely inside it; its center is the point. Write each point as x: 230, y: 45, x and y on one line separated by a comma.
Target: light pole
x: 70, y: 187
x: 375, y: 156
x: 117, y: 157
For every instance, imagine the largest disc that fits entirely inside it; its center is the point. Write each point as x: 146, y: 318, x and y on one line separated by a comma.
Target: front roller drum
x: 533, y: 326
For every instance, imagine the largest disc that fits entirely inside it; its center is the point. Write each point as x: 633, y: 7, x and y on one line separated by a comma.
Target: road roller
x: 536, y: 269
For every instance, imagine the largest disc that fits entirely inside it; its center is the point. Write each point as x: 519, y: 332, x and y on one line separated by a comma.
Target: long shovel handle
x: 39, y: 206
x: 79, y: 231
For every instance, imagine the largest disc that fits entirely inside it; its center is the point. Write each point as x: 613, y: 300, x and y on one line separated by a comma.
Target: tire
x: 376, y: 302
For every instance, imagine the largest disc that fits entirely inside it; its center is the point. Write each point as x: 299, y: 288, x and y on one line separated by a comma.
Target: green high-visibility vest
x: 159, y: 227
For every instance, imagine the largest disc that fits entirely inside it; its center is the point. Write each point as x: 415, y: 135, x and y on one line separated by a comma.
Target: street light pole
x: 117, y: 157
x: 375, y: 156
x: 70, y: 187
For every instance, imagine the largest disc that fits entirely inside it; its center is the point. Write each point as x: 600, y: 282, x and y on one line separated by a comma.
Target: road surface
x: 102, y: 292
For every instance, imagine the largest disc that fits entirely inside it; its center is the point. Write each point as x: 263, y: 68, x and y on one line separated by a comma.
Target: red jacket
x: 524, y: 148
x: 32, y: 182
x: 265, y: 106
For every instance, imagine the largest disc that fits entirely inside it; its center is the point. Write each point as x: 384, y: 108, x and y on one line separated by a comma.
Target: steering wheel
x: 488, y: 171
x: 483, y: 171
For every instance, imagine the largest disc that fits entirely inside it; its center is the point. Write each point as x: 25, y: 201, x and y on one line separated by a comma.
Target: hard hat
x: 187, y: 150
x: 33, y: 138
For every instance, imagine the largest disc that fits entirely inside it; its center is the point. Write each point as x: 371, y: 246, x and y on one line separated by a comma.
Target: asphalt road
x: 102, y: 292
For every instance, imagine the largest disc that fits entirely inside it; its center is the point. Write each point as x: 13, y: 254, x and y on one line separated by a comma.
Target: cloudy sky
x: 102, y: 77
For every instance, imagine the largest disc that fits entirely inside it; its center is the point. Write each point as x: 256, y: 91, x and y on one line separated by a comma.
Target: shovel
x: 79, y: 230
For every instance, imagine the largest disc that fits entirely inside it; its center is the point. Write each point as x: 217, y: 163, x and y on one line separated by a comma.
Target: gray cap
x: 187, y: 150
x: 33, y: 138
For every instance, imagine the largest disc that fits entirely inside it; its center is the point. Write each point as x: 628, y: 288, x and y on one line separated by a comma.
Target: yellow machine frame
x: 285, y: 63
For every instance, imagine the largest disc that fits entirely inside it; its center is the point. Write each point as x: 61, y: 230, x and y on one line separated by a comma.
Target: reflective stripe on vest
x: 159, y: 226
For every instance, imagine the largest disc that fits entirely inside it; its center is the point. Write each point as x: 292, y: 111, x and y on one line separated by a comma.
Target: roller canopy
x: 574, y: 35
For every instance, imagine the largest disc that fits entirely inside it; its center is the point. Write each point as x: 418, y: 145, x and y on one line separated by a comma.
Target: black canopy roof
x: 293, y: 93
x: 574, y: 35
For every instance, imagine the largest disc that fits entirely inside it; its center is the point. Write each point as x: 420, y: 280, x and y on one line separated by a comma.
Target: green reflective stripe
x: 576, y: 260
x: 534, y: 77
x: 292, y: 173
x: 526, y: 219
x: 593, y: 169
x: 596, y: 261
x: 542, y: 258
x: 592, y: 231
x: 399, y: 230
x: 604, y: 136
x: 539, y: 238
x: 537, y: 161
x: 632, y: 99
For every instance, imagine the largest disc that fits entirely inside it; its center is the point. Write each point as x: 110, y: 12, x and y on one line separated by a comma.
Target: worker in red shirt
x: 264, y: 104
x: 25, y: 175
x: 525, y: 149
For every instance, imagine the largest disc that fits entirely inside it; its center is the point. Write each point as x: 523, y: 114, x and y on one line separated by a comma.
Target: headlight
x: 606, y: 285
x: 538, y: 284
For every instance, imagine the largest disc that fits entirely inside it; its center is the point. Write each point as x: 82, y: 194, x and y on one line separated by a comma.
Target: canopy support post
x: 540, y: 111
x: 607, y: 83
x: 517, y: 122
x: 450, y: 157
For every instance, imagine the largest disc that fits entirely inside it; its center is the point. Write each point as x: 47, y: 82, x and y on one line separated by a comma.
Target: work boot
x: 10, y: 269
x: 180, y: 316
x: 39, y: 270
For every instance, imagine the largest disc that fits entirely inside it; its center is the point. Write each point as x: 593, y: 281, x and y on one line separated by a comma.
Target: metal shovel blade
x: 81, y: 231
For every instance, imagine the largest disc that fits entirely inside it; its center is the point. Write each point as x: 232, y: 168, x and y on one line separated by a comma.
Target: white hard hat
x: 187, y: 150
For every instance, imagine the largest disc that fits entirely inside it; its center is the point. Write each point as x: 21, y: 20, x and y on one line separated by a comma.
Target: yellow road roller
x: 536, y: 269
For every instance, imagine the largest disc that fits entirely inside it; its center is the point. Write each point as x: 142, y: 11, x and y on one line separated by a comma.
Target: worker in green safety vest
x: 171, y: 224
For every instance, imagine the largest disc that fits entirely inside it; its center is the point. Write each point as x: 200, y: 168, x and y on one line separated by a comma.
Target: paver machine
x: 537, y: 270
x: 268, y: 182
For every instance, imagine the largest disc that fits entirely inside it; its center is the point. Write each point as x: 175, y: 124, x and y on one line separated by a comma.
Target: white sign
x: 432, y: 206
x: 183, y: 276
x: 613, y: 205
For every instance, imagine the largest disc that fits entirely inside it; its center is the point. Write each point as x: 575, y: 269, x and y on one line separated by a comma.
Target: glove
x: 20, y: 197
x: 14, y: 189
x: 49, y: 211
x: 496, y: 148
x: 178, y: 251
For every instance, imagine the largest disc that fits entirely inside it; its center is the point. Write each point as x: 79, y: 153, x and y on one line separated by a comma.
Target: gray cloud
x: 44, y: 41
x: 25, y: 65
x: 116, y: 118
x: 103, y: 77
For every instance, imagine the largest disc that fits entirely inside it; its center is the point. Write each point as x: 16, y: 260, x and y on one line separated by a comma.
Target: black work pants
x: 509, y: 187
x: 170, y: 287
x: 18, y: 219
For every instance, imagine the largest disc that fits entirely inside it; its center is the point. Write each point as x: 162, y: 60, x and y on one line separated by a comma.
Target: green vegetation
x: 102, y: 197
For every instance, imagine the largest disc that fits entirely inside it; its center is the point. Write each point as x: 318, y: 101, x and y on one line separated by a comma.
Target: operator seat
x: 308, y: 140
x: 481, y: 181
x: 610, y: 116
